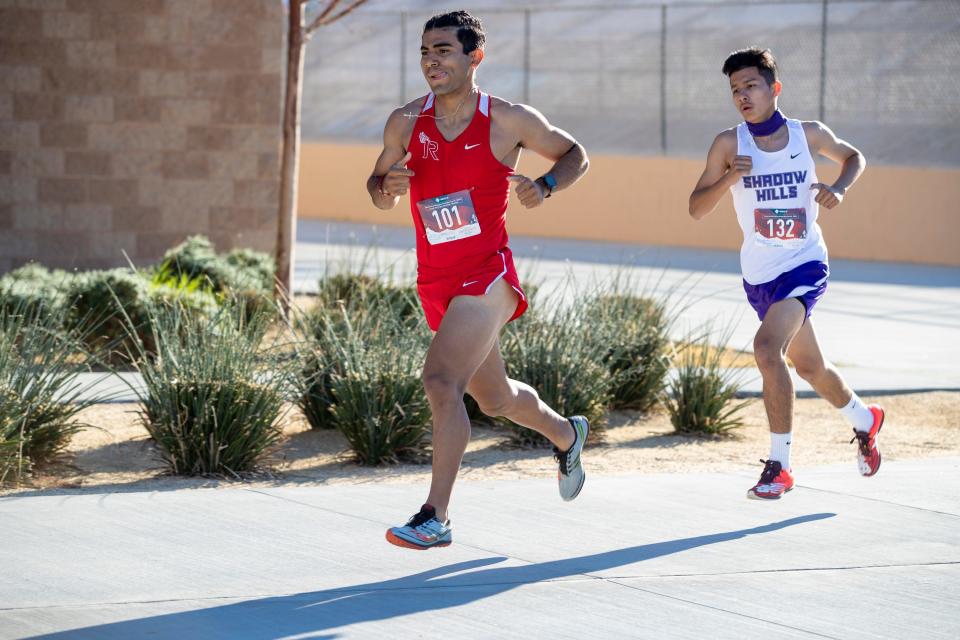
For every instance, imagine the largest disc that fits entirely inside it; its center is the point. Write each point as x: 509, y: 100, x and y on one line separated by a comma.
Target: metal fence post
x: 526, y: 56
x: 403, y: 51
x: 663, y: 79
x: 823, y: 59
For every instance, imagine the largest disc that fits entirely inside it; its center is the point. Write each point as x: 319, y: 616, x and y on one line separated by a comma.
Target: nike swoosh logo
x: 794, y: 156
x: 470, y: 146
x: 466, y: 284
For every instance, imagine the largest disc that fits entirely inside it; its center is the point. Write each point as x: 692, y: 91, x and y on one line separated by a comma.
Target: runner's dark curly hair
x: 469, y: 28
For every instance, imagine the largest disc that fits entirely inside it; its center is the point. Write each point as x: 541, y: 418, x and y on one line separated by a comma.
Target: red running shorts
x: 437, y: 287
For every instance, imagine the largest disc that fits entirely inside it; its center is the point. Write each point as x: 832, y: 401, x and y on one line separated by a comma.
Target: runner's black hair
x: 762, y: 59
x: 469, y: 28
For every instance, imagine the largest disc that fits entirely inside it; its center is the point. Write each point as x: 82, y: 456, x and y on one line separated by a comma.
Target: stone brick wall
x: 127, y: 125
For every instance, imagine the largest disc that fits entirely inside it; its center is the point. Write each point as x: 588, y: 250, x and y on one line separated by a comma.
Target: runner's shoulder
x: 726, y: 142
x: 513, y: 114
x: 402, y: 119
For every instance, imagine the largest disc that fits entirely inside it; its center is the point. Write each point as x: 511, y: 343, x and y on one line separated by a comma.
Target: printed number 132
x: 781, y: 228
x: 444, y: 217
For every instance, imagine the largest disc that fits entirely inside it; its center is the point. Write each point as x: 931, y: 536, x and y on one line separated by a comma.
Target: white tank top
x: 776, y: 207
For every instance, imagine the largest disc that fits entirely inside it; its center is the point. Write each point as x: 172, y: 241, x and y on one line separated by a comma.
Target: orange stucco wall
x: 893, y: 213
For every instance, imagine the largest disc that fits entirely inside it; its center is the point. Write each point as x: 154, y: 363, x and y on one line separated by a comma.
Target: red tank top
x: 465, y: 163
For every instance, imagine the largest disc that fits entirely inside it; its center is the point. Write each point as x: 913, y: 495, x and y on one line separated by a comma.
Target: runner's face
x: 752, y: 96
x: 443, y: 62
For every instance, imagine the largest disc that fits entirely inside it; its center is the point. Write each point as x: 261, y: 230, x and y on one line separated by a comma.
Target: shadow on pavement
x: 309, y: 614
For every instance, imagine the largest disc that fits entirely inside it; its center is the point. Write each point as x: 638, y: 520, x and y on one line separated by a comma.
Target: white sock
x: 858, y: 414
x: 780, y: 448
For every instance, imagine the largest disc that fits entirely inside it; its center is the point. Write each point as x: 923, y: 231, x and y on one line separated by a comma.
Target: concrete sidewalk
x: 659, y: 556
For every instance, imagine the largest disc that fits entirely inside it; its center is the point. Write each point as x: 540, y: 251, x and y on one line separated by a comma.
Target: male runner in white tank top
x: 767, y: 163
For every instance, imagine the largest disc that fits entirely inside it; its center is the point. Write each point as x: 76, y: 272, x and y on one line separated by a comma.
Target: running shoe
x: 868, y: 454
x: 570, y: 474
x: 422, y: 531
x: 774, y: 482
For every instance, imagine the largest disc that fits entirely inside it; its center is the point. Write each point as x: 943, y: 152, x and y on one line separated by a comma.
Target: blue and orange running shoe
x: 570, y: 473
x: 422, y: 531
x: 774, y: 482
x: 868, y: 454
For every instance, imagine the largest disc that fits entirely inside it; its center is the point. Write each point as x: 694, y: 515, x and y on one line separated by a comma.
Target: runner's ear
x: 476, y: 57
x: 777, y: 87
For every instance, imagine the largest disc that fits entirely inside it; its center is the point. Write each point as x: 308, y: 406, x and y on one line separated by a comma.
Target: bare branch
x: 324, y: 18
x: 318, y: 21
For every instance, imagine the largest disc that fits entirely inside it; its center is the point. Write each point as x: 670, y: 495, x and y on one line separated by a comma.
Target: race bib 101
x: 449, y: 217
x: 779, y: 227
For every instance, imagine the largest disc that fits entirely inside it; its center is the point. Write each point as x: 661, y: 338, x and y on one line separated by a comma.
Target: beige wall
x: 130, y: 124
x: 893, y: 213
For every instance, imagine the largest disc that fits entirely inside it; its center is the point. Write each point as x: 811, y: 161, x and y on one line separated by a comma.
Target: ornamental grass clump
x: 362, y: 355
x: 633, y: 331
x: 347, y: 303
x: 701, y: 397
x: 213, y: 394
x: 557, y: 356
x: 40, y: 395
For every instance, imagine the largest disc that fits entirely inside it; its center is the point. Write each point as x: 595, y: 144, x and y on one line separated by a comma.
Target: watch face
x: 551, y: 181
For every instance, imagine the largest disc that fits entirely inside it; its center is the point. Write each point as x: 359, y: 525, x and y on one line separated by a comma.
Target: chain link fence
x: 645, y: 79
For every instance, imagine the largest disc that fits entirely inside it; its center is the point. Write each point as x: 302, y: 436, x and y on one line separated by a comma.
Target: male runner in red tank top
x: 454, y: 151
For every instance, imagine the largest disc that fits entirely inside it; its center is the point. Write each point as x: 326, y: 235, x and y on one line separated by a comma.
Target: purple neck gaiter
x: 768, y: 126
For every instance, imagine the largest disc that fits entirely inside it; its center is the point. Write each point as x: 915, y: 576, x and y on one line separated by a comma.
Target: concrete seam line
x: 721, y: 609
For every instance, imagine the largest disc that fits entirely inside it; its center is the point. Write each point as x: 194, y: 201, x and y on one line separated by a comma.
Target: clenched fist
x: 396, y: 181
x: 827, y: 196
x: 529, y: 192
x: 741, y: 166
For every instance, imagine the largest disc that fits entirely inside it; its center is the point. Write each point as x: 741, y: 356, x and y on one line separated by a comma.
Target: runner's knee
x: 768, y: 353
x: 440, y: 386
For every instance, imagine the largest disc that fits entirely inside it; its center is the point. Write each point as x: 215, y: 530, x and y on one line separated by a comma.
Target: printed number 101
x: 444, y: 217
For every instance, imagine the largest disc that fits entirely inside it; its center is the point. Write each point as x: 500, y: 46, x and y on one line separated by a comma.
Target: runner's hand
x: 741, y: 166
x: 827, y: 196
x: 396, y: 181
x: 528, y: 191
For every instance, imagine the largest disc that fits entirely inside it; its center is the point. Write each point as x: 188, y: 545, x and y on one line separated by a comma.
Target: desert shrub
x: 701, y: 397
x: 358, y: 292
x: 634, y: 334
x: 118, y: 299
x: 40, y: 394
x: 213, y: 395
x: 556, y: 355
x: 362, y: 356
x: 34, y: 288
x: 239, y: 271
x: 242, y: 274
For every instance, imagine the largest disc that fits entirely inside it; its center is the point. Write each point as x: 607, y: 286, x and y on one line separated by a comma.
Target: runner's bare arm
x: 824, y: 142
x: 724, y: 168
x: 532, y: 131
x: 391, y: 179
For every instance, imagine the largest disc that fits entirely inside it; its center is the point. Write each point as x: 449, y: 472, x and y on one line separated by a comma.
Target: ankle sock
x: 858, y: 414
x: 780, y: 448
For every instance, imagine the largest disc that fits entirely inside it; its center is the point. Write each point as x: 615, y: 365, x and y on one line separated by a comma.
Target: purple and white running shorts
x: 806, y: 283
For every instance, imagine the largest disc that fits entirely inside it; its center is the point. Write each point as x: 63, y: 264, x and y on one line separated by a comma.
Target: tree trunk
x: 290, y: 159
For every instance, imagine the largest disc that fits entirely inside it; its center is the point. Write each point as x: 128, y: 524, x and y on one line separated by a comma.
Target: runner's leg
x: 463, y: 341
x: 499, y: 395
x: 805, y: 353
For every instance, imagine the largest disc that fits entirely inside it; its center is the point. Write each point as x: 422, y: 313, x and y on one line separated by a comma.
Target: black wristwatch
x: 549, y: 182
